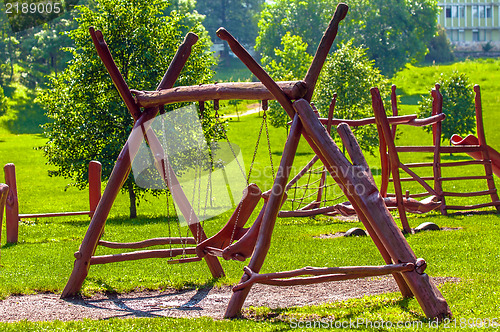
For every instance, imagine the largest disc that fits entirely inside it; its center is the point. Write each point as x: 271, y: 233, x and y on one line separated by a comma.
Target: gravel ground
x: 210, y: 302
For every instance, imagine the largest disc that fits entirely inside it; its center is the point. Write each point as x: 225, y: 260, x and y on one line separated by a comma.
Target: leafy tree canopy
x: 394, y: 31
x: 239, y: 17
x: 458, y: 105
x: 291, y: 63
x: 347, y: 72
x: 88, y: 118
x: 440, y: 48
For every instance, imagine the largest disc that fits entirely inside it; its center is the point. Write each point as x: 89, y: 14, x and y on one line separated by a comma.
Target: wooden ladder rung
x: 472, y: 207
x: 465, y: 163
x: 460, y: 149
x: 470, y: 194
x: 415, y: 148
x: 430, y: 164
x: 425, y: 178
x: 455, y: 178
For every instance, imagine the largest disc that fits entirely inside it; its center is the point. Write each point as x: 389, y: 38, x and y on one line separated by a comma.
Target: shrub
x: 458, y: 105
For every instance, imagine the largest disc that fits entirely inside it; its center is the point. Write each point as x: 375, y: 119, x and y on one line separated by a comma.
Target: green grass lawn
x: 43, y: 259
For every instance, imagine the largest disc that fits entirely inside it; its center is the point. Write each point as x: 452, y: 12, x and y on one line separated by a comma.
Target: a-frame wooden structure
x: 294, y: 97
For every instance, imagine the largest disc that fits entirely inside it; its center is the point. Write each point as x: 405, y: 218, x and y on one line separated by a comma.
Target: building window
x: 448, y: 12
x: 461, y: 11
x: 481, y: 11
x: 461, y: 35
x: 475, y: 35
x: 488, y: 11
x: 454, y: 11
x: 474, y: 11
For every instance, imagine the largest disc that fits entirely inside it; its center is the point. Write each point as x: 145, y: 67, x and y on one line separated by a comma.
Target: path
x: 210, y: 302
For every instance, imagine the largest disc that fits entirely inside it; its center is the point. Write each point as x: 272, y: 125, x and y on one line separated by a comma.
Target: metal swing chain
x: 257, y: 146
x: 264, y: 122
x: 217, y: 118
x: 269, y: 145
x: 166, y: 171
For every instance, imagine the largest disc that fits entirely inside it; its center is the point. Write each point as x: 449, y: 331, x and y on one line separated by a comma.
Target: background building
x: 471, y: 25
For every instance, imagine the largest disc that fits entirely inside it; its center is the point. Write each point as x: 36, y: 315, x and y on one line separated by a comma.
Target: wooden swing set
x: 254, y: 242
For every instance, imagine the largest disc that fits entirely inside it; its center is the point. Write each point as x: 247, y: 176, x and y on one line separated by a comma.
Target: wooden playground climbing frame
x: 391, y: 163
x: 254, y: 243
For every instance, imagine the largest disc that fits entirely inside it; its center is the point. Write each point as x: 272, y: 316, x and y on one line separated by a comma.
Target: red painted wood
x: 385, y: 131
x: 4, y: 192
x: 95, y: 170
x: 217, y: 91
x: 122, y: 167
x: 12, y: 206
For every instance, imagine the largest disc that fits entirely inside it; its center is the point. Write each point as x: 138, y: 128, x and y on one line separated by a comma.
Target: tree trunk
x: 223, y: 20
x: 131, y: 195
x: 11, y: 58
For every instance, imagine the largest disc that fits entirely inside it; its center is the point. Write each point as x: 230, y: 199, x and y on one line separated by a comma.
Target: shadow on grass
x: 126, y: 221
x: 308, y: 153
x: 340, y: 314
x: 29, y: 115
x: 410, y: 99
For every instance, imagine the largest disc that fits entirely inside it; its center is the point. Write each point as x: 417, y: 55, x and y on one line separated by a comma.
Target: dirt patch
x: 210, y: 302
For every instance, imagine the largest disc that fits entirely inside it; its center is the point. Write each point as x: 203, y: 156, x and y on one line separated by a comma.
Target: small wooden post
x: 12, y: 206
x: 4, y: 191
x: 95, y: 170
x: 482, y: 142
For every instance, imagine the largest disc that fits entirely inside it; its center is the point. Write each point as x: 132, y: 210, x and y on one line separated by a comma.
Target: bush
x: 440, y: 49
x: 458, y: 105
x: 349, y: 73
x: 3, y: 102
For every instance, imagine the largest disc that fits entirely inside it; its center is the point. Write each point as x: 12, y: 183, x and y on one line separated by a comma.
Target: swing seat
x: 233, y: 230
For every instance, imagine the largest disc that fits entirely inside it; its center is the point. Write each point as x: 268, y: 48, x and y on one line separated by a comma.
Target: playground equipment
x: 4, y: 191
x: 346, y: 209
x: 473, y: 140
x: 254, y: 242
x: 12, y: 207
x: 435, y: 193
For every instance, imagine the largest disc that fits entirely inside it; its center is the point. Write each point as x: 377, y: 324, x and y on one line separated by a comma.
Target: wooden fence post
x: 12, y: 206
x: 4, y: 191
x: 95, y: 171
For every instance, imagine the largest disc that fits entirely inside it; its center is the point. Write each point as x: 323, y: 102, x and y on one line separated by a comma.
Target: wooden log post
x: 271, y: 212
x: 12, y: 206
x: 122, y: 167
x: 372, y: 206
x: 4, y: 191
x: 484, y: 147
x: 95, y: 171
x: 385, y: 131
x: 437, y: 108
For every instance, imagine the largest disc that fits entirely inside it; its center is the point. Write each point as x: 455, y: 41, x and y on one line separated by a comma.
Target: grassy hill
x: 43, y: 259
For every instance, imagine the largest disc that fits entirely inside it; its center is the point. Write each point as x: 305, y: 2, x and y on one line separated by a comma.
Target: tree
x: 3, y: 103
x: 349, y: 73
x: 8, y: 51
x: 458, y: 105
x: 307, y: 19
x: 88, y: 118
x: 239, y: 17
x: 288, y: 64
x: 394, y: 31
x: 440, y: 49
